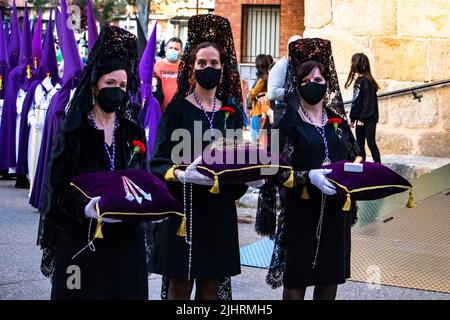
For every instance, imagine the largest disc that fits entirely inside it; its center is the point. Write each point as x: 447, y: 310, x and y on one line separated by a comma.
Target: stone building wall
x: 408, y: 44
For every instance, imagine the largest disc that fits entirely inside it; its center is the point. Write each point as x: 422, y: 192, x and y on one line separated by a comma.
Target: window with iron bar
x: 260, y: 31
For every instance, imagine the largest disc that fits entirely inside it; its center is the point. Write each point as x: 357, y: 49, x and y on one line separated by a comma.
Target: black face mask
x: 208, y: 78
x: 313, y: 92
x: 110, y: 99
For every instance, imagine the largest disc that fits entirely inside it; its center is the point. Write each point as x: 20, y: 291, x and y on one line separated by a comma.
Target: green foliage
x: 107, y: 10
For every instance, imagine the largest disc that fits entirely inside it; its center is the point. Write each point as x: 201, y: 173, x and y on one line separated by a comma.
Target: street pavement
x: 20, y: 277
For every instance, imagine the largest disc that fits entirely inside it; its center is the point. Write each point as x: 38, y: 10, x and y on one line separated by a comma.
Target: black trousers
x: 367, y: 132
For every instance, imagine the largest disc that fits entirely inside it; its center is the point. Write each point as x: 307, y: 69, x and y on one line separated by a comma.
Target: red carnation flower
x: 228, y: 110
x: 138, y: 147
x: 336, y: 122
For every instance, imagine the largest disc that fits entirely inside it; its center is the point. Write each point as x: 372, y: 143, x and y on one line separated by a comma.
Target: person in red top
x: 167, y: 70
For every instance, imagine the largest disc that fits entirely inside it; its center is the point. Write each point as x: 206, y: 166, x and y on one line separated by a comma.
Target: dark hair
x: 361, y: 65
x: 175, y: 39
x: 204, y: 45
x: 271, y: 61
x: 105, y: 66
x: 262, y: 65
x: 305, y: 68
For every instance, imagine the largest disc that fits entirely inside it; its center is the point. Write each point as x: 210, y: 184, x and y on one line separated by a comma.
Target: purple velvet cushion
x: 241, y: 165
x: 128, y: 195
x: 375, y: 182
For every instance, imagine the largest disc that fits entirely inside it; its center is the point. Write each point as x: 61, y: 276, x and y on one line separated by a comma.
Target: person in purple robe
x: 4, y: 70
x: 151, y: 109
x: 19, y: 82
x: 57, y: 108
x: 35, y: 107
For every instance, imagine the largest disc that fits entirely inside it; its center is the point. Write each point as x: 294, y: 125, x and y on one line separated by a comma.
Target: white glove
x: 318, y: 179
x: 195, y: 177
x: 90, y: 211
x: 194, y: 164
x: 256, y: 184
x: 160, y: 220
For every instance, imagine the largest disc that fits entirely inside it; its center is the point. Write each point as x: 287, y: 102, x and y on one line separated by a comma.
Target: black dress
x: 295, y: 239
x: 215, y: 248
x: 302, y: 216
x: 117, y: 269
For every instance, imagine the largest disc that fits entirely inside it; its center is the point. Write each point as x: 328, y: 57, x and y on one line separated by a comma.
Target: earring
x: 93, y: 98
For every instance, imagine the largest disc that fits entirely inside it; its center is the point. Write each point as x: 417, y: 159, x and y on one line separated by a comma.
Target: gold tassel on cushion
x: 411, y: 203
x: 215, y: 188
x: 170, y: 174
x: 98, y: 230
x: 182, y: 228
x: 347, y: 204
x: 289, y: 183
x: 305, y: 194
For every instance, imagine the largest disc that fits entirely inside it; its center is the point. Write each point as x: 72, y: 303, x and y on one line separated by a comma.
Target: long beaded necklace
x: 187, y: 239
x: 111, y: 154
x: 210, y: 119
x: 111, y: 157
x: 321, y: 130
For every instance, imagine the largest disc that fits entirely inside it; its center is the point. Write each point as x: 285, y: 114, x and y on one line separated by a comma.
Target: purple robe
x: 53, y: 120
x: 73, y: 68
x: 49, y: 64
x: 151, y: 114
x: 17, y: 79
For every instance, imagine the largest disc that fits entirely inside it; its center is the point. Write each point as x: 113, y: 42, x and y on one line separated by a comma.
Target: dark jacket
x: 365, y: 102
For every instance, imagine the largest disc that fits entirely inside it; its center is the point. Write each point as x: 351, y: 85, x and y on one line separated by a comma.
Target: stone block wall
x: 408, y: 44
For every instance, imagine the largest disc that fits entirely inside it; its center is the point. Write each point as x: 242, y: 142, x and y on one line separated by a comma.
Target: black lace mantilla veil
x: 212, y: 28
x: 113, y: 42
x: 267, y: 223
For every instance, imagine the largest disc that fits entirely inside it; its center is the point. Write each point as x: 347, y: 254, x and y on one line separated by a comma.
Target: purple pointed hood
x: 7, y: 38
x: 26, y: 53
x: 146, y: 66
x: 72, y: 61
x: 37, y: 42
x: 59, y: 28
x: 14, y: 41
x: 92, y: 25
x: 49, y: 62
x: 152, y: 111
x: 3, y: 46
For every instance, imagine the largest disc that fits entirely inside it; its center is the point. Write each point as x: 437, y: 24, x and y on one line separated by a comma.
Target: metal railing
x: 411, y: 90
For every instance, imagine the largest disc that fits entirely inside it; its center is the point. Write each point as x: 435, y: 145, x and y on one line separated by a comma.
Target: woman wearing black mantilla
x: 312, y: 240
x: 208, y: 252
x: 96, y: 135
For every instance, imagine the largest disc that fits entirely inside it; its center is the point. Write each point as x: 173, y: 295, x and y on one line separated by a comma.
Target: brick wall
x: 292, y: 17
x: 292, y: 21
